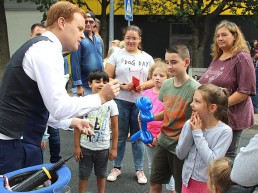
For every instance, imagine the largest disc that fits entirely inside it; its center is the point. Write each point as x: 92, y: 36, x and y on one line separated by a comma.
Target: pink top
x: 154, y: 126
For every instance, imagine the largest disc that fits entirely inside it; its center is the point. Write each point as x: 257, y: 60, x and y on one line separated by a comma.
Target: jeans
x: 255, y: 98
x: 150, y: 152
x: 128, y: 122
x: 233, y: 148
x: 54, y: 144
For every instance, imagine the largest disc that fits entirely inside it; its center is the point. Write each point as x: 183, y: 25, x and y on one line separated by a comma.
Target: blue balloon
x: 144, y: 104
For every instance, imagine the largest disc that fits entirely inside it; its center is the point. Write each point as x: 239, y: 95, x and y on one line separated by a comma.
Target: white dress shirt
x: 43, y: 62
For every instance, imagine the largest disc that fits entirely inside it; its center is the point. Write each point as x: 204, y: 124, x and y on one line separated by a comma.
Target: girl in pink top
x: 158, y: 73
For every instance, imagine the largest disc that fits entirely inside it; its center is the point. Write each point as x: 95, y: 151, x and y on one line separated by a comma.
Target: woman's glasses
x: 131, y: 38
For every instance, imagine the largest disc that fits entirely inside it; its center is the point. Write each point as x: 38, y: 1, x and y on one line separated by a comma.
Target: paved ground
x: 126, y: 183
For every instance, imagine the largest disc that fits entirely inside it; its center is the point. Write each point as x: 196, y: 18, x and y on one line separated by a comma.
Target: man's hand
x: 43, y: 145
x: 109, y: 91
x: 82, y: 125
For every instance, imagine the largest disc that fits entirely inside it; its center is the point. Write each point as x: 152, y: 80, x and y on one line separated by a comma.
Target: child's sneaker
x: 114, y: 174
x: 141, y: 177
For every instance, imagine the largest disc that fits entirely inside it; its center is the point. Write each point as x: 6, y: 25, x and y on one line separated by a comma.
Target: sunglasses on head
x: 89, y: 21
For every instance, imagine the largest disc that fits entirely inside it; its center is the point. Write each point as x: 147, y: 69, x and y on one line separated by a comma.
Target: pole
x: 111, y: 21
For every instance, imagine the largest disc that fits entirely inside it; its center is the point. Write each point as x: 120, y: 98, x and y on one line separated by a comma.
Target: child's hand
x: 154, y: 143
x: 140, y: 88
x: 139, y: 120
x: 112, y: 154
x: 128, y: 86
x: 77, y: 154
x: 195, y: 121
x: 79, y: 90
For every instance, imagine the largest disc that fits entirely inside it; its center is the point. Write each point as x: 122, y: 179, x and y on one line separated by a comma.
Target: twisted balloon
x: 144, y: 104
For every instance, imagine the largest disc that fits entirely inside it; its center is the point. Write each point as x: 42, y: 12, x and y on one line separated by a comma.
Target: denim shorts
x: 98, y: 159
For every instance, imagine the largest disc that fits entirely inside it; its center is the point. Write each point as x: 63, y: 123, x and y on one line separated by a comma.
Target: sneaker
x: 141, y: 177
x: 114, y: 174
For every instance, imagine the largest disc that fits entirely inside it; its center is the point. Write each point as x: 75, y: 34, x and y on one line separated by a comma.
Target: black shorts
x: 165, y: 164
x: 98, y: 159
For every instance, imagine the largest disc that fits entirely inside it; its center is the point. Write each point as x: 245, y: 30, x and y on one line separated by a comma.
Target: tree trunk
x: 104, y: 26
x: 4, y: 45
x: 198, y: 57
x: 201, y: 32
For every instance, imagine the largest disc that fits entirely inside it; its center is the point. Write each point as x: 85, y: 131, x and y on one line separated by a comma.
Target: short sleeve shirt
x: 128, y: 65
x: 236, y: 74
x: 101, y: 120
x: 177, y: 110
x: 154, y: 126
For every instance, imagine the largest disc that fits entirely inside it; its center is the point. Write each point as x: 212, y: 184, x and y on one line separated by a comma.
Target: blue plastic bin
x: 63, y: 173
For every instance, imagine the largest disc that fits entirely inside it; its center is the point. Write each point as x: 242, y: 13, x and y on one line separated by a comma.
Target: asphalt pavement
x: 126, y: 182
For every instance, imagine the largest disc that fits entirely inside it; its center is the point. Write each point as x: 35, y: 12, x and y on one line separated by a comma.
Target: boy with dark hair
x: 94, y: 150
x: 176, y: 94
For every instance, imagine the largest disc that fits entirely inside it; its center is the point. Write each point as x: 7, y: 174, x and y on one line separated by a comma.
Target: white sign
x: 128, y: 4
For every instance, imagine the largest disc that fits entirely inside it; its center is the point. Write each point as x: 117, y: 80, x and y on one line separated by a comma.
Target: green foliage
x: 184, y: 9
x: 42, y: 6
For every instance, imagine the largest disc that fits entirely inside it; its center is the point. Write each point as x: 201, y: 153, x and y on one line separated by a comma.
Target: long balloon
x: 144, y: 104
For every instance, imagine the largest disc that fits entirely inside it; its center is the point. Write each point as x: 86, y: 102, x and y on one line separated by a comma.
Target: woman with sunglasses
x: 130, y: 67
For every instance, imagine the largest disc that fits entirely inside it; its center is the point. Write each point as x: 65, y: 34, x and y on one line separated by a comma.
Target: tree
x: 198, y: 14
x: 43, y: 5
x: 103, y: 17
